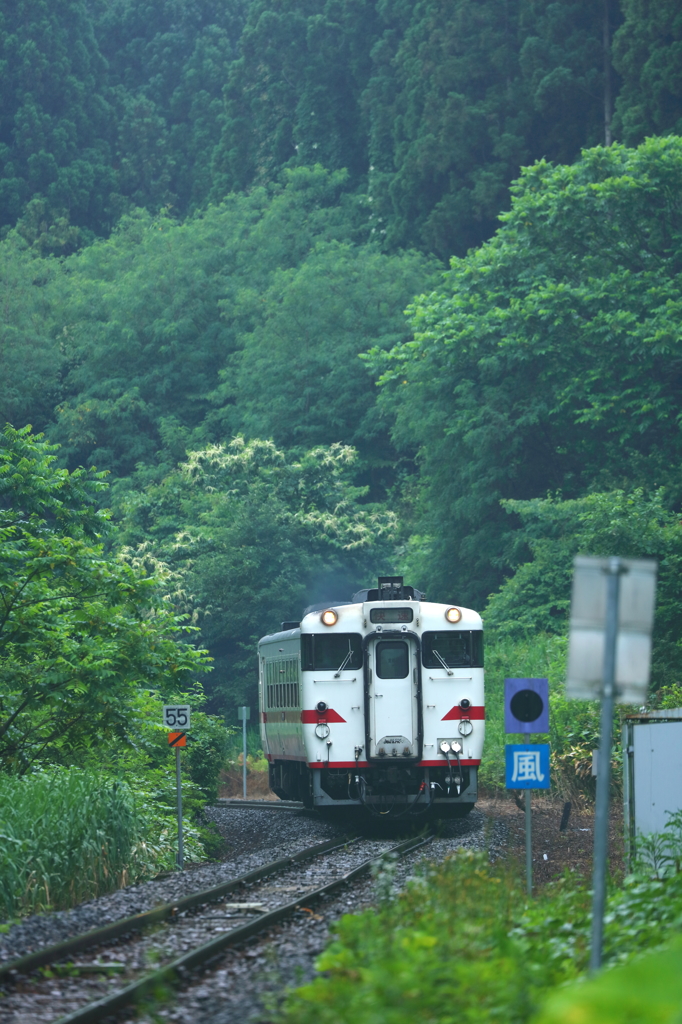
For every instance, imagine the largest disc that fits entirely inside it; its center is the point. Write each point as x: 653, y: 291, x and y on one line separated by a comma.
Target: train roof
x: 390, y: 588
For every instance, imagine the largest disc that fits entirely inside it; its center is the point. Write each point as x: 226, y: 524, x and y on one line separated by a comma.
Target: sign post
x: 175, y: 715
x: 244, y: 715
x: 609, y: 656
x: 526, y: 710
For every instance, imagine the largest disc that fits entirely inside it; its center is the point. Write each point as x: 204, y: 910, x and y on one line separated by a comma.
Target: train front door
x: 393, y: 698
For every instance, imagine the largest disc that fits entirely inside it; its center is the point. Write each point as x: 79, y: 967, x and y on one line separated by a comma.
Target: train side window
x: 328, y: 651
x: 281, y: 683
x: 462, y: 648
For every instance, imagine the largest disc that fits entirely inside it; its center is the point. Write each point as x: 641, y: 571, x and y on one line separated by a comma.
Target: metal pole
x: 244, y: 742
x: 178, y: 782
x: 529, y: 847
x: 601, y: 818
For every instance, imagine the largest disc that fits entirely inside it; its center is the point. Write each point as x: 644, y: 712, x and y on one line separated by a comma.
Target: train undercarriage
x: 382, y: 789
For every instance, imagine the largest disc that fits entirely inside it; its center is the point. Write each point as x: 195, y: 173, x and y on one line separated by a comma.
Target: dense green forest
x: 431, y: 107
x: 214, y: 216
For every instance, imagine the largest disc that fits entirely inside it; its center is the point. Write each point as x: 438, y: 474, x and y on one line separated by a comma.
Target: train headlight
x: 329, y: 618
x: 453, y: 615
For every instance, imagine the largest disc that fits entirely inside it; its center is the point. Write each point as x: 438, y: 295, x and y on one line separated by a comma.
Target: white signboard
x: 635, y: 622
x: 176, y: 717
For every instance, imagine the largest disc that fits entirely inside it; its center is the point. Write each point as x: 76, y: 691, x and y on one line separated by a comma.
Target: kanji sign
x: 527, y: 766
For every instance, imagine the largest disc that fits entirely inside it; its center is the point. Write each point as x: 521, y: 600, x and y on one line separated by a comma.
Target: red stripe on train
x: 313, y: 717
x: 457, y: 712
x: 307, y: 717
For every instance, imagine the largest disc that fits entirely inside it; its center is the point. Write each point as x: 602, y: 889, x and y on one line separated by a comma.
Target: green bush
x: 439, y: 952
x: 646, y: 991
x: 68, y: 835
x: 207, y: 751
x: 463, y: 942
x: 254, y: 748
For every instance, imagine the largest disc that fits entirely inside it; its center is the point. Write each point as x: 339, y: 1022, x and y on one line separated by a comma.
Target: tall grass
x: 67, y: 835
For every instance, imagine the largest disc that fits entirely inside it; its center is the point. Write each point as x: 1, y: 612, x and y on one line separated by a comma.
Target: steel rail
x: 268, y: 805
x: 96, y: 936
x: 168, y: 975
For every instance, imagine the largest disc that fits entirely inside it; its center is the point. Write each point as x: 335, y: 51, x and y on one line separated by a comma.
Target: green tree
x: 256, y: 534
x: 82, y: 634
x: 182, y: 334
x: 562, y: 64
x: 449, y: 122
x: 550, y: 360
x: 167, y: 66
x: 647, y: 51
x: 299, y: 379
x: 536, y: 598
x: 56, y: 139
x: 31, y: 359
x: 292, y: 97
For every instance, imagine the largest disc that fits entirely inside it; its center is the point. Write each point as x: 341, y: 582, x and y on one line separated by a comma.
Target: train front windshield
x: 330, y: 651
x: 458, y: 649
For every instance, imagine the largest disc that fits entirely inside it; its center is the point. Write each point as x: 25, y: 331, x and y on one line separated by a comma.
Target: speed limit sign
x: 176, y: 716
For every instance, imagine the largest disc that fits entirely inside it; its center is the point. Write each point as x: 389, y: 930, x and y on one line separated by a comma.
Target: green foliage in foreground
x: 462, y: 942
x: 647, y: 991
x: 68, y: 835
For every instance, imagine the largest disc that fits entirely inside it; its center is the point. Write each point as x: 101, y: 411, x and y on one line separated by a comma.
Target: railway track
x: 124, y: 963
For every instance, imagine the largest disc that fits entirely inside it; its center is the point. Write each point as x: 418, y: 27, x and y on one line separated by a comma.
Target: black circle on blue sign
x: 526, y: 705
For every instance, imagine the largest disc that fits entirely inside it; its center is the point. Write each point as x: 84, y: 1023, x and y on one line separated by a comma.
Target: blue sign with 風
x: 527, y: 765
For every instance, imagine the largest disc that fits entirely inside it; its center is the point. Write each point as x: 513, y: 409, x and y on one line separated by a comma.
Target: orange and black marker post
x: 177, y: 740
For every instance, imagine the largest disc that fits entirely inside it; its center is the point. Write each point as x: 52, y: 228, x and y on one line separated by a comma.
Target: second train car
x: 376, y: 703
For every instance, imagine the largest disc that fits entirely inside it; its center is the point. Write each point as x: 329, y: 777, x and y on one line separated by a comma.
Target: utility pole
x: 608, y: 97
x: 244, y: 715
x: 601, y: 816
x: 609, y: 658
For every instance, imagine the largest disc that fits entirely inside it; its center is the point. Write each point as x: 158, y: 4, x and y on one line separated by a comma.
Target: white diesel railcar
x: 377, y: 702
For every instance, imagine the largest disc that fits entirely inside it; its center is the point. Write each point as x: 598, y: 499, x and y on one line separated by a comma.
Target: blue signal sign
x: 526, y: 705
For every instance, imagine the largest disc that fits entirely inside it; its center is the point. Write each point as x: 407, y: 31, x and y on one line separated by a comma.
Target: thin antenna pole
x: 608, y: 98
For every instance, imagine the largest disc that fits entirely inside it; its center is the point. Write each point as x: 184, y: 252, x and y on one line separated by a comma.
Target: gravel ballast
x: 245, y: 986
x: 253, y: 837
x: 245, y: 980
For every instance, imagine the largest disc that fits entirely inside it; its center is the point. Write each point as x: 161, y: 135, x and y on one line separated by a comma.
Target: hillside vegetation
x: 214, y: 217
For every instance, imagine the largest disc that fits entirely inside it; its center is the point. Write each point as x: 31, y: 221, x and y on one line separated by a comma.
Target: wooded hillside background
x: 214, y: 215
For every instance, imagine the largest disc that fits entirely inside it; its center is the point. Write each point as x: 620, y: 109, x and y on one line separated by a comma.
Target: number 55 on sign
x: 176, y: 716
